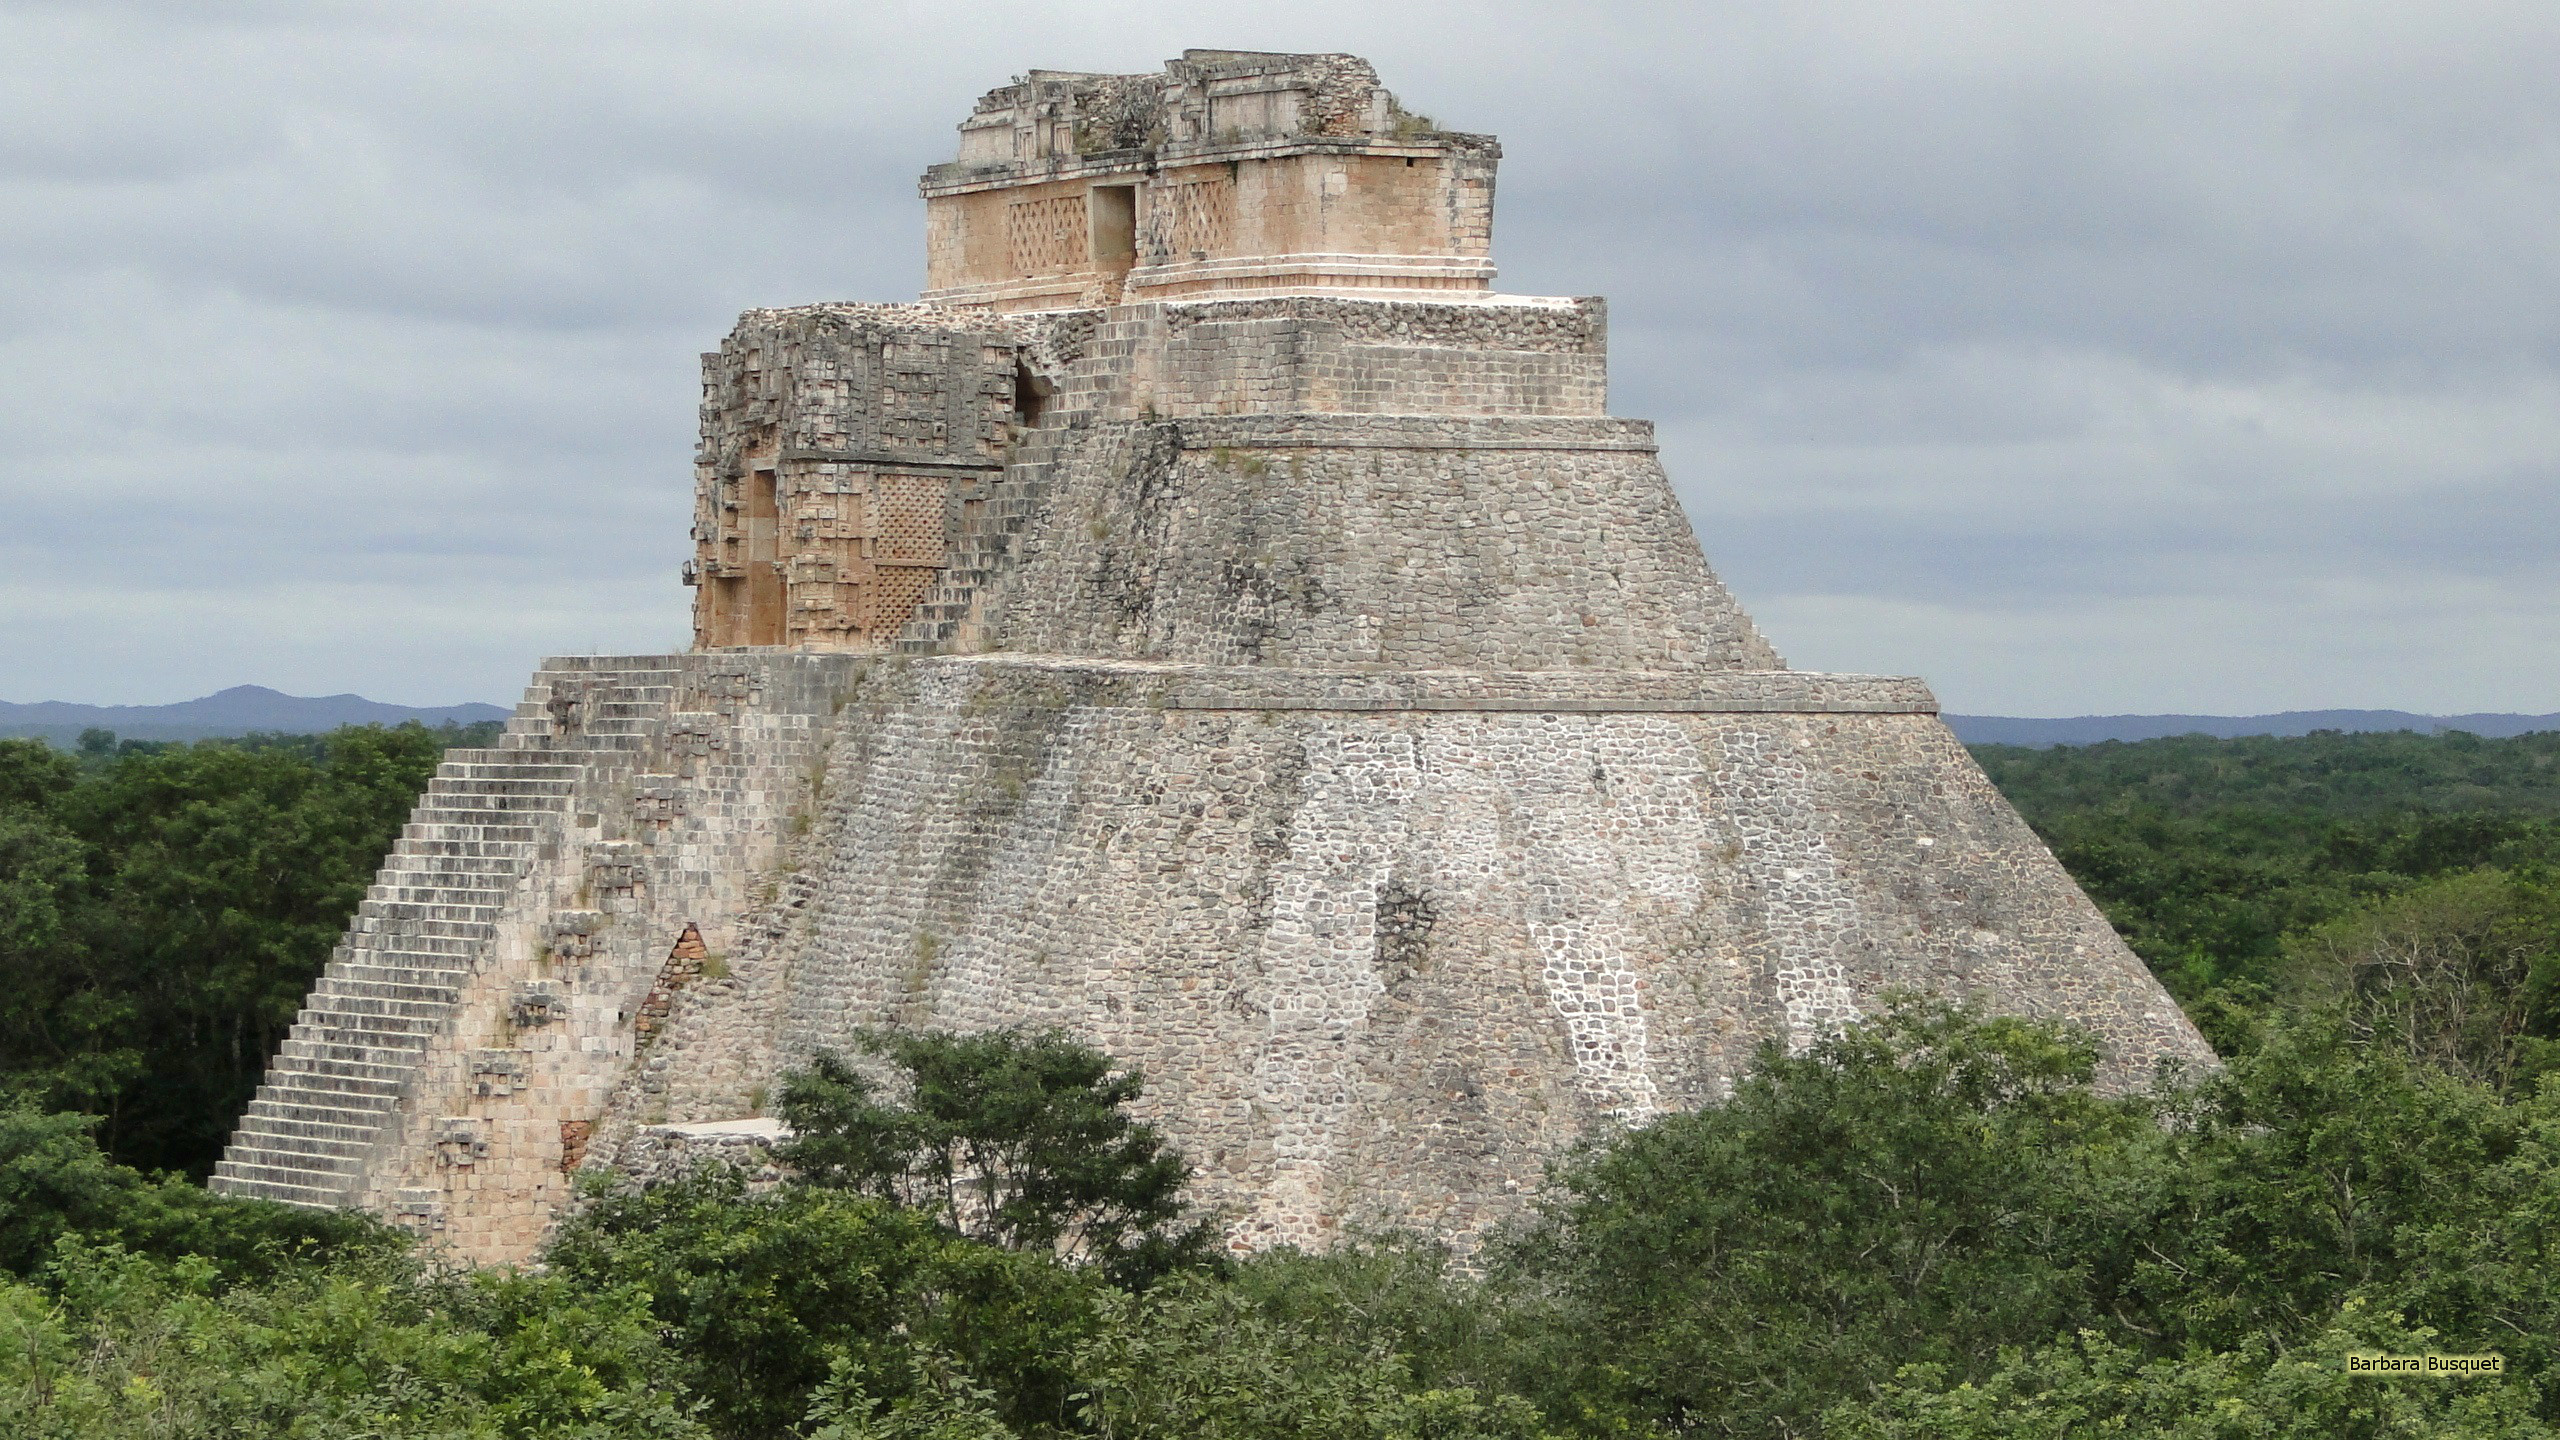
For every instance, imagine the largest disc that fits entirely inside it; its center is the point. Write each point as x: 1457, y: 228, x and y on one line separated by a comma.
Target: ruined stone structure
x: 1215, y: 624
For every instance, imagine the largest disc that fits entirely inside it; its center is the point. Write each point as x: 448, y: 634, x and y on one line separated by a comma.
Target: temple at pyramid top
x: 1231, y: 172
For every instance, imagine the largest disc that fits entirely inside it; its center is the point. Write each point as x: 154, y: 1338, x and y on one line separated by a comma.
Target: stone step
x: 322, y: 1182
x: 353, y: 1067
x: 426, y: 828
x: 354, y: 1127
x: 297, y: 1107
x: 333, y: 1014
x: 423, y: 889
x: 423, y: 1004
x: 588, y: 666
x: 487, y: 871
x: 460, y: 922
x: 424, y: 987
x: 274, y: 1141
x: 387, y: 1039
x: 334, y: 1090
x: 507, y: 768
x: 515, y: 851
x: 392, y: 950
x: 261, y: 1182
x: 389, y: 949
x: 444, y: 807
x: 543, y: 742
x: 323, y: 1083
x: 622, y: 700
x: 474, y: 786
x: 643, y: 676
x: 427, y: 924
x: 360, y: 1020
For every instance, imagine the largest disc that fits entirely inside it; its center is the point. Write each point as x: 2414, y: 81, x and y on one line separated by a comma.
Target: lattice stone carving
x: 896, y: 590
x: 911, y: 520
x: 1045, y: 235
x: 1191, y: 221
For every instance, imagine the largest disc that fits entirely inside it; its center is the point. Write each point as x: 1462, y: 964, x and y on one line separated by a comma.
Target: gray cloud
x: 2076, y: 357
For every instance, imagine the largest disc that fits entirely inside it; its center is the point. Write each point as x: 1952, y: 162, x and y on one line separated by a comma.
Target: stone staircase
x: 1091, y: 389
x: 430, y: 922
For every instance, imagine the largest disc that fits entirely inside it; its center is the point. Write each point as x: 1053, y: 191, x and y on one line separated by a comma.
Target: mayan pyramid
x: 1216, y: 623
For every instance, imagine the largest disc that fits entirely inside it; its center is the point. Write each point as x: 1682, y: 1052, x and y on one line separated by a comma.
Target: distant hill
x: 2090, y: 729
x: 236, y: 711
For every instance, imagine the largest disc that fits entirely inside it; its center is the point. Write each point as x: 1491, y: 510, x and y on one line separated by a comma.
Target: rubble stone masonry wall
x: 1385, y: 945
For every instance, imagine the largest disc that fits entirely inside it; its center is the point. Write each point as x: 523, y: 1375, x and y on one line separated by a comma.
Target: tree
x: 806, y: 1301
x: 2461, y: 972
x: 167, y: 908
x: 125, y: 1347
x: 1018, y: 1140
x: 1202, y: 1360
x: 55, y: 1184
x: 1925, y: 1188
x: 2090, y: 1385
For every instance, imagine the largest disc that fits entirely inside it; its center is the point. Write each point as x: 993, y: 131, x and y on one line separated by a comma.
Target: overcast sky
x: 2077, y: 357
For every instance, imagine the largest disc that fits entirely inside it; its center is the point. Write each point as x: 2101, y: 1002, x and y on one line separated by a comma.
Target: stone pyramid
x: 1214, y: 623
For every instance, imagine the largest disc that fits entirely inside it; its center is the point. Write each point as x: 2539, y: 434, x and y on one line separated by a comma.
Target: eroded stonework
x: 1268, y: 662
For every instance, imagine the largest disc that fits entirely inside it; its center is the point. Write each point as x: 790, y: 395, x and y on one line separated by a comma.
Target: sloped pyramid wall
x: 1401, y: 791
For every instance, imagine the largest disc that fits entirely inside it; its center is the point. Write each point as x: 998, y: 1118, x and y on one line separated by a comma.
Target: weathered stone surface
x: 1271, y: 666
x: 1230, y: 172
x: 1380, y: 964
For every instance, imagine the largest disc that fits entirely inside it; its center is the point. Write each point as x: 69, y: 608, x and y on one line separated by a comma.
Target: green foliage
x: 770, y: 1300
x: 1909, y: 1228
x: 1920, y: 1190
x: 2330, y: 773
x: 2089, y: 1385
x: 166, y: 909
x: 2208, y: 853
x: 2460, y: 972
x: 1018, y: 1140
x: 2310, y: 1171
x: 1196, y: 1358
x: 54, y: 1183
x: 125, y: 1346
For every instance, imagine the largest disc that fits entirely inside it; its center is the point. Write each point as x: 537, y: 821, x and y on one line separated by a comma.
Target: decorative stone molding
x: 497, y: 1074
x: 538, y: 1003
x: 462, y: 1141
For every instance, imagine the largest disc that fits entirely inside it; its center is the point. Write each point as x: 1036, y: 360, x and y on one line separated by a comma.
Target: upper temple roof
x: 1209, y: 100
x: 1230, y: 172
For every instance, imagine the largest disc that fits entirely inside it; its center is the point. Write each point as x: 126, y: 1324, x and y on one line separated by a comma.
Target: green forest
x: 1933, y: 1225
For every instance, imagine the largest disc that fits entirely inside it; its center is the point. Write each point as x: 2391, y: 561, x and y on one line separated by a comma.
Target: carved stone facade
x: 1228, y: 173
x: 842, y: 448
x: 1280, y: 672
